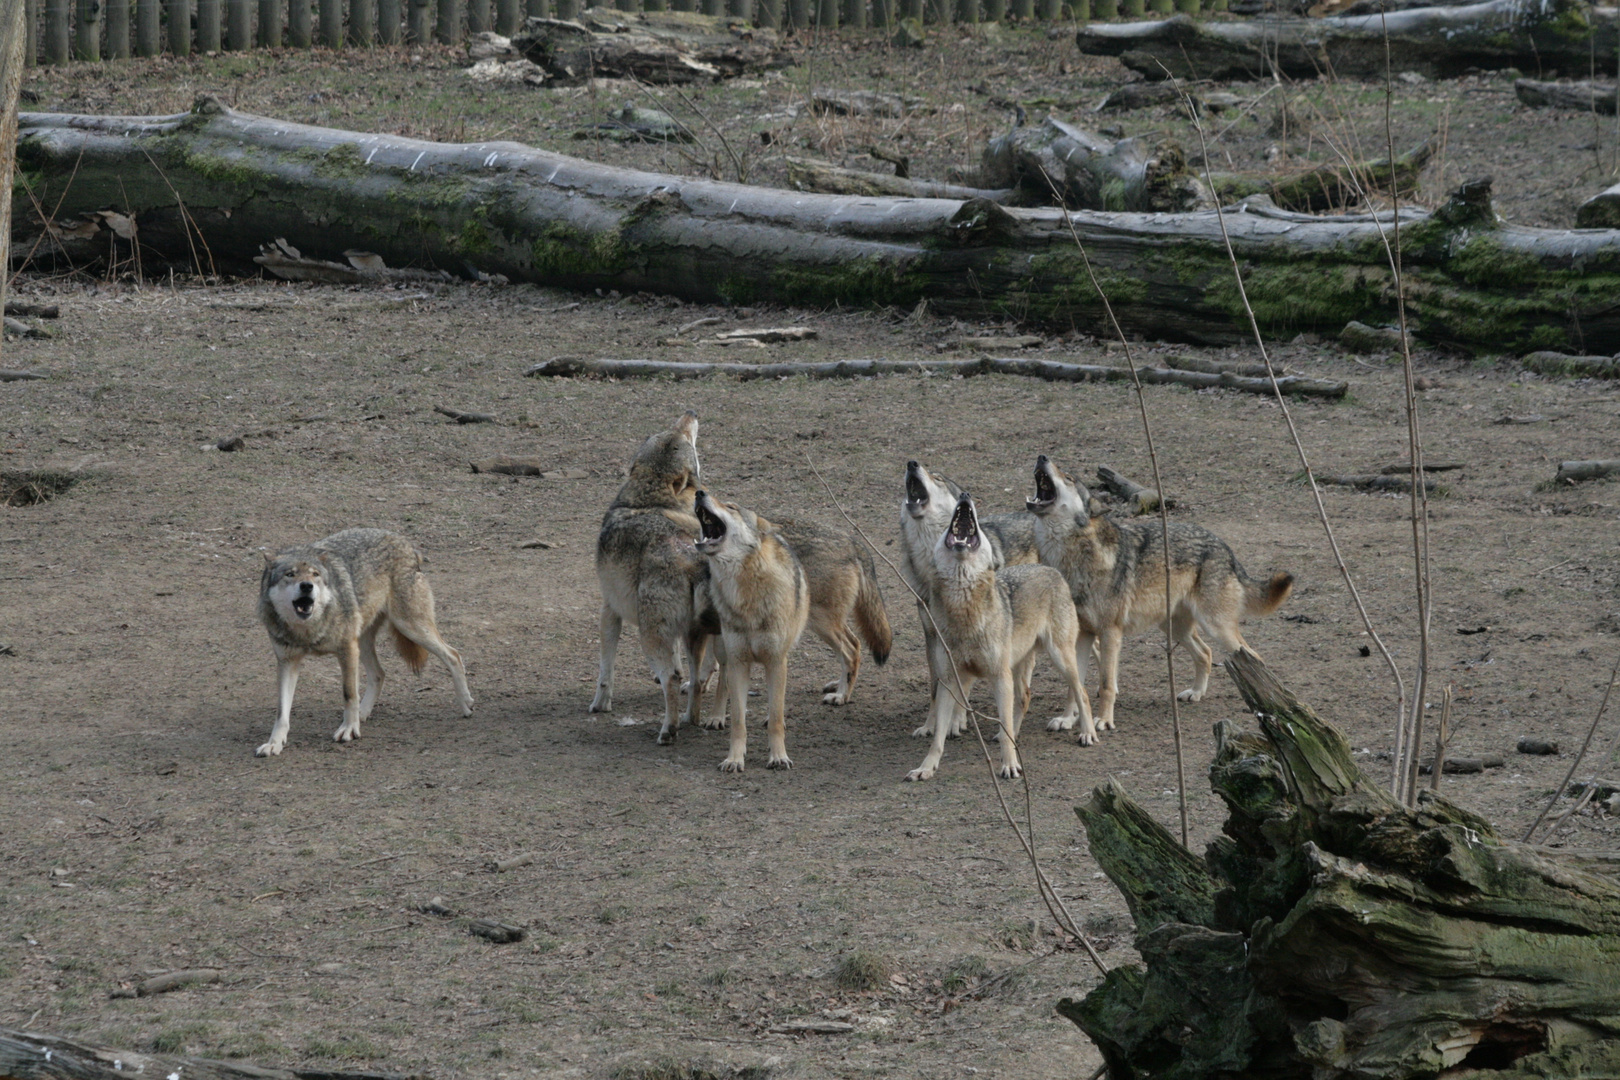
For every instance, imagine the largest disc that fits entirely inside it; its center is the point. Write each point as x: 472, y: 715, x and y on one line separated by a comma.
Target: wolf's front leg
x: 734, y: 682
x: 287, y: 678
x: 349, y: 659
x: 776, y: 727
x: 939, y: 723
x: 1005, y: 685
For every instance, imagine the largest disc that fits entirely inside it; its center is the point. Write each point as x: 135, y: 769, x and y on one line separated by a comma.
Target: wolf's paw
x: 731, y: 765
x: 712, y: 723
x: 1087, y: 738
x: 603, y: 701
x: 923, y: 732
x: 1105, y: 723
x: 269, y: 749
x: 347, y: 733
x: 1061, y: 723
x: 832, y: 697
x: 921, y: 773
x: 1190, y: 694
x: 831, y: 687
x: 666, y: 737
x: 466, y: 704
x: 782, y: 762
x: 1011, y: 772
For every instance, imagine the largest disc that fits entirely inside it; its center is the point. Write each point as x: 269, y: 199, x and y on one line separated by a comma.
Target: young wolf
x: 333, y: 596
x: 924, y: 513
x: 759, y: 592
x: 648, y: 569
x: 843, y: 590
x: 1115, y: 571
x: 992, y: 622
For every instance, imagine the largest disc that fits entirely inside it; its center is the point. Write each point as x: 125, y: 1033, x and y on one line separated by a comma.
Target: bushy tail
x: 1264, y: 597
x: 412, y: 653
x: 871, y: 617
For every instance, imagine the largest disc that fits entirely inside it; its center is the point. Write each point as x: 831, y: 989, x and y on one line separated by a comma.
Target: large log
x: 1056, y: 162
x: 215, y: 184
x: 1581, y: 96
x: 1601, y: 211
x: 1439, y: 42
x: 1331, y: 932
x: 28, y: 1055
x: 651, y: 46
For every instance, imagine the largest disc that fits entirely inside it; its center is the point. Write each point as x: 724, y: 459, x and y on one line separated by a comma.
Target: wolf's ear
x: 686, y: 427
x: 268, y: 560
x: 1095, y: 507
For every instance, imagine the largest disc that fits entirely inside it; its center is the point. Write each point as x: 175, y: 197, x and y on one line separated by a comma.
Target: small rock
x: 1360, y: 338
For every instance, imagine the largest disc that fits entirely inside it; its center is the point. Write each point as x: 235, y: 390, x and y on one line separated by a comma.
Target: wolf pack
x: 715, y: 589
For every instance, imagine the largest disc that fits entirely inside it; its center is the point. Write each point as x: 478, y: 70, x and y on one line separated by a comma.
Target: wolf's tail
x: 871, y: 617
x: 1264, y: 597
x: 412, y: 653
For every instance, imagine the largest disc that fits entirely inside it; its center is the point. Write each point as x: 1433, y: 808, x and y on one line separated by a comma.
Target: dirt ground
x: 676, y: 915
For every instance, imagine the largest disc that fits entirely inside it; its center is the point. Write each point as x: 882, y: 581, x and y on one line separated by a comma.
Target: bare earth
x: 675, y: 914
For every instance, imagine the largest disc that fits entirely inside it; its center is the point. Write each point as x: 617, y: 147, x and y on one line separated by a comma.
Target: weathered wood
x: 656, y: 47
x: 208, y: 24
x: 498, y: 932
x: 511, y: 466
x: 808, y: 174
x: 29, y: 1055
x: 148, y: 28
x: 1581, y: 96
x: 825, y: 99
x: 1348, y: 935
x: 465, y: 417
x: 535, y: 216
x: 1054, y: 162
x: 1142, y: 500
x: 1438, y: 42
x: 177, y: 980
x: 1601, y: 211
x: 8, y: 375
x: 1570, y: 472
x: 1374, y: 482
x: 1333, y: 185
x: 1050, y: 370
x: 1587, y: 367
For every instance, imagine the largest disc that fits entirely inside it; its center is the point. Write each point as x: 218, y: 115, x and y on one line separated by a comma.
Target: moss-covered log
x: 1580, y: 96
x: 650, y: 46
x: 214, y: 185
x: 1439, y: 42
x: 1347, y: 936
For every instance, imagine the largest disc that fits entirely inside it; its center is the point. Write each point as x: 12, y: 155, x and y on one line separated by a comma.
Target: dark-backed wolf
x: 991, y: 622
x: 1115, y: 571
x: 760, y: 595
x: 650, y: 572
x: 332, y: 597
x: 846, y: 605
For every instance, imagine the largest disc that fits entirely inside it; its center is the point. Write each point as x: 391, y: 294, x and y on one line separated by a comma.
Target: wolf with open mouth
x: 333, y: 597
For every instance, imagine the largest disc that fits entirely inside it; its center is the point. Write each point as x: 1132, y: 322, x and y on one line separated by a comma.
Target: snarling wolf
x: 1115, y: 571
x: 332, y: 597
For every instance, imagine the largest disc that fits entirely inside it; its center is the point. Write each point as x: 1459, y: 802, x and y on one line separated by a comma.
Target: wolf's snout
x: 306, y: 588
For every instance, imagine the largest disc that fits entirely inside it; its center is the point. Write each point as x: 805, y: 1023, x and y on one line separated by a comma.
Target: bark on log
x: 1050, y: 370
x: 652, y: 46
x: 1089, y: 172
x: 807, y: 174
x: 1438, y: 42
x: 1142, y: 500
x: 28, y: 1055
x: 1585, y: 367
x: 1601, y: 211
x: 1581, y: 96
x: 1345, y: 935
x: 1570, y: 472
x: 535, y: 216
x: 1331, y: 186
x: 1374, y: 482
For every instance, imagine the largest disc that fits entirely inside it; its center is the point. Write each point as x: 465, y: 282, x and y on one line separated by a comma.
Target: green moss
x: 474, y: 238
x: 232, y: 171
x: 1571, y: 23
x: 869, y: 281
x: 342, y: 162
x: 562, y: 251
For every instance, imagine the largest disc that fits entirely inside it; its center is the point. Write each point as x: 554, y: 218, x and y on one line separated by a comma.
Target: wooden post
x: 768, y: 13
x: 738, y: 9
x: 712, y: 7
x: 31, y: 32
x: 1050, y: 10
x: 300, y: 21
x: 271, y: 18
x: 331, y: 16
x: 911, y: 9
x: 478, y: 20
x: 15, y: 30
x: 238, y: 25
x: 538, y: 9
x: 363, y: 22
x: 87, y: 30
x: 882, y: 14
x: 449, y: 28
x: 995, y: 10
x: 567, y: 9
x: 1104, y: 9
x: 854, y: 13
x: 508, y: 17
x: 827, y: 14
x: 148, y: 27
x: 179, y: 26
x: 967, y: 11
x: 654, y: 5
x: 683, y: 5
x: 207, y: 25
x: 56, y: 31
x: 420, y: 25
x: 626, y: 5
x: 117, y: 29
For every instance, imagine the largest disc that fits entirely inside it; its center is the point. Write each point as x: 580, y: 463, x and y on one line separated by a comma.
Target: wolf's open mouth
x: 303, y: 605
x: 916, y: 490
x: 964, y: 530
x: 711, y: 527
x: 1045, y: 490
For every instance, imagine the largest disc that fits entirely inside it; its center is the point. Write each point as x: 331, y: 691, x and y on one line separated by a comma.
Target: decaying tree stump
x: 1439, y: 42
x: 223, y: 183
x: 651, y: 46
x: 1330, y: 932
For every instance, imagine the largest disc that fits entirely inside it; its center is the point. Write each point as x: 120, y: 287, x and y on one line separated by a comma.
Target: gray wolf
x: 925, y: 512
x: 846, y: 605
x: 760, y: 595
x: 990, y: 624
x: 1115, y: 572
x: 332, y: 597
x: 650, y: 571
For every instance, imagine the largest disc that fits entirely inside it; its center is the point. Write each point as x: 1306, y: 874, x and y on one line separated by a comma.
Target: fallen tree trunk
x: 1331, y: 932
x: 1050, y: 370
x: 808, y: 174
x: 651, y: 46
x: 1438, y: 42
x: 219, y: 182
x: 1054, y: 162
x: 1332, y: 186
x: 1601, y: 211
x: 1571, y: 472
x: 1588, y: 367
x: 28, y: 1055
x: 1582, y: 96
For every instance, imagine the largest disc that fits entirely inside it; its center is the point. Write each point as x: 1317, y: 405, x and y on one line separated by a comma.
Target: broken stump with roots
x: 1332, y: 932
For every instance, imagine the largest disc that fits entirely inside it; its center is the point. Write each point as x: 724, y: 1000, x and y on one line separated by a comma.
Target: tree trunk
x: 118, y: 30
x: 1330, y: 932
x: 1438, y: 42
x: 1581, y: 96
x: 657, y: 47
x: 208, y: 23
x: 179, y: 26
x: 14, y: 31
x: 537, y: 216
